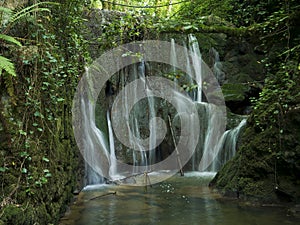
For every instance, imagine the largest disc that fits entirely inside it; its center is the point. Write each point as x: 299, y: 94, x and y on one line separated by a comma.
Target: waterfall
x: 227, y: 146
x: 152, y: 128
x: 173, y: 56
x: 217, y: 66
x: 94, y: 146
x: 208, y: 148
x: 193, y: 94
x: 215, y: 140
x: 113, y: 158
x: 143, y: 155
x: 212, y: 137
x: 151, y: 115
x: 214, y: 148
x: 231, y: 141
x: 173, y: 61
x: 197, y: 64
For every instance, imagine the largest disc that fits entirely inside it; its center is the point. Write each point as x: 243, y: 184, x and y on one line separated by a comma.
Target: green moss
x: 13, y: 214
x: 262, y: 170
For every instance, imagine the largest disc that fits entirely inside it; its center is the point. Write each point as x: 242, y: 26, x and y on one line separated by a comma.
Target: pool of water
x: 178, y: 200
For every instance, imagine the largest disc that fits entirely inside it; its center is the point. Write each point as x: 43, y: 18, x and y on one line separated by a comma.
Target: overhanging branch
x: 144, y: 7
x: 232, y: 31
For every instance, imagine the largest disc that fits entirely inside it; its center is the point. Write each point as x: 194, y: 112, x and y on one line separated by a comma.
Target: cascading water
x: 217, y: 66
x: 151, y: 113
x: 152, y: 128
x: 212, y: 136
x: 212, y: 140
x: 211, y: 126
x: 226, y: 147
x: 143, y: 156
x: 113, y: 158
x: 173, y: 57
x: 215, y: 140
x: 94, y: 145
x: 197, y: 64
x: 173, y: 61
x: 193, y: 94
x: 231, y: 141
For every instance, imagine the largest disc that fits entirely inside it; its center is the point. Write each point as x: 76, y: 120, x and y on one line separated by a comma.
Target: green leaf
x: 38, y: 183
x: 24, y: 154
x: 48, y: 175
x: 22, y: 132
x: 187, y: 27
x: 7, y: 65
x: 44, y: 180
x: 3, y: 169
x: 37, y: 114
x: 45, y: 159
x: 29, y: 191
x: 60, y: 99
x: 24, y: 170
x: 10, y: 39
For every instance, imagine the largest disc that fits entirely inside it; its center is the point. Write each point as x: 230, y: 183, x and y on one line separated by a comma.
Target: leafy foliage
x: 124, y: 28
x: 10, y: 39
x: 280, y: 93
x: 269, y: 154
x: 35, y: 124
x: 8, y: 19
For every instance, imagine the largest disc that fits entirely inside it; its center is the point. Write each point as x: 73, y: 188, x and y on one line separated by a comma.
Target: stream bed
x: 178, y: 200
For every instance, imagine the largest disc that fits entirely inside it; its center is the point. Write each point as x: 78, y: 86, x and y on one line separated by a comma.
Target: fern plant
x: 8, y: 18
x: 7, y: 65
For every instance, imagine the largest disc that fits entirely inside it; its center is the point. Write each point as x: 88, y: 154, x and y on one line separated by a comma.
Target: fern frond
x: 13, y: 19
x: 5, y: 10
x: 33, y: 8
x: 7, y: 65
x: 10, y: 39
x: 5, y: 14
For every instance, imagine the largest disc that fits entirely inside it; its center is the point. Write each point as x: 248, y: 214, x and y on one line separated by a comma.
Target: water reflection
x: 179, y: 200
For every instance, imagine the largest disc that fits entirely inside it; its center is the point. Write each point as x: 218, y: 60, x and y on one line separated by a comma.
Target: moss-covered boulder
x: 267, y: 165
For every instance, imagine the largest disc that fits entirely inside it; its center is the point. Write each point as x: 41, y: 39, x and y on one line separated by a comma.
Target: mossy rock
x: 233, y: 120
x: 262, y: 170
x: 13, y: 214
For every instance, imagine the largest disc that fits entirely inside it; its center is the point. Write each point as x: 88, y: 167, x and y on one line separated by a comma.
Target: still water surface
x: 178, y: 201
